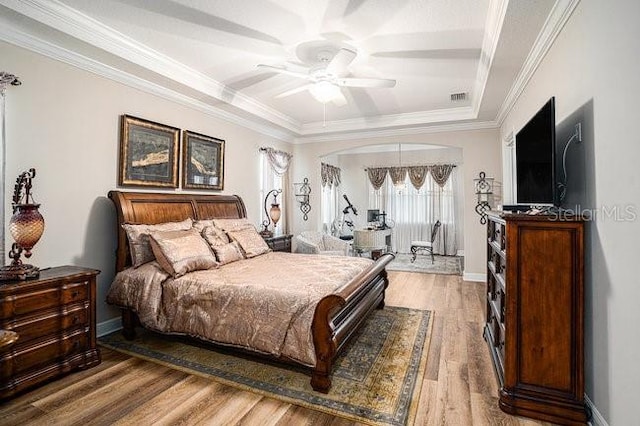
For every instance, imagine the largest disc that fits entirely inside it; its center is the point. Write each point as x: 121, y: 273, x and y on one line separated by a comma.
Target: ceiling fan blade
x: 339, y: 63
x: 365, y: 82
x: 294, y: 91
x: 282, y: 70
x: 339, y: 99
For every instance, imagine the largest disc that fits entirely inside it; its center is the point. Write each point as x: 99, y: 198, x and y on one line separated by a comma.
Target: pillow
x: 201, y: 224
x: 233, y: 224
x: 179, y: 252
x: 228, y: 253
x: 250, y: 241
x: 138, y: 236
x: 215, y: 236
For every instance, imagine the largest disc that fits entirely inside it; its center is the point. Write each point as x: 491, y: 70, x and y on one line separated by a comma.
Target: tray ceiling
x: 208, y: 51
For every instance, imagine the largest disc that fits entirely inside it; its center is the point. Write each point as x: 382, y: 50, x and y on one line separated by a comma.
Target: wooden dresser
x: 535, y: 315
x: 54, y: 317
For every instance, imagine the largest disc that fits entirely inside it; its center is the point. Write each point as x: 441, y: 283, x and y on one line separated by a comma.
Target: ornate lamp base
x: 19, y: 272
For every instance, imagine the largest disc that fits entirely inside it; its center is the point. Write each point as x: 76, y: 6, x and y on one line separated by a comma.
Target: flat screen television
x: 535, y: 159
x: 372, y: 215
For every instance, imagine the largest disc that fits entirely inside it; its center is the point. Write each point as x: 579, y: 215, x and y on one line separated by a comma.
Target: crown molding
x: 494, y: 22
x: 72, y: 22
x: 386, y: 121
x: 367, y: 134
x: 557, y: 19
x: 18, y: 38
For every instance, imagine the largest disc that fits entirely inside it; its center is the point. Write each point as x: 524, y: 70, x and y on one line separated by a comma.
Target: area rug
x: 448, y: 265
x: 376, y: 380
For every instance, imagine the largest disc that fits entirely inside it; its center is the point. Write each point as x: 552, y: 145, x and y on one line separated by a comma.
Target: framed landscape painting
x: 202, y: 161
x: 148, y: 153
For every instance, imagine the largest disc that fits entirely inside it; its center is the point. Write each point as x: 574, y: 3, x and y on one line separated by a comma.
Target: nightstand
x: 55, y: 319
x: 279, y: 242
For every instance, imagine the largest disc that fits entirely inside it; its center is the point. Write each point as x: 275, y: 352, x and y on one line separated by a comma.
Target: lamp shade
x: 26, y: 226
x: 274, y: 213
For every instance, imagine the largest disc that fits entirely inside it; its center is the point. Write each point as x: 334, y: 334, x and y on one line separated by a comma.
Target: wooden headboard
x: 151, y: 208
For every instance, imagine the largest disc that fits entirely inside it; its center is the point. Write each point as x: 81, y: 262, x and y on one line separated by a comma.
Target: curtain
x: 377, y: 176
x: 397, y: 174
x: 441, y: 172
x: 279, y: 160
x: 6, y: 79
x: 417, y: 175
x: 275, y: 175
x: 413, y: 212
x: 330, y: 175
x: 330, y: 202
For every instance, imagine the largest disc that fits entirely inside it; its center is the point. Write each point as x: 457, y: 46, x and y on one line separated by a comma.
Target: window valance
x: 417, y: 174
x: 330, y: 174
x: 279, y: 160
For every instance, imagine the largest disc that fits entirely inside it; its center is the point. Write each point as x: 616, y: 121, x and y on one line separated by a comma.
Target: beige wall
x: 593, y: 71
x: 64, y: 122
x: 480, y: 152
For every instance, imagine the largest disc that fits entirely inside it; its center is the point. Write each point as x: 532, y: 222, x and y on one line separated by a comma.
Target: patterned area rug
x: 376, y: 380
x: 448, y: 265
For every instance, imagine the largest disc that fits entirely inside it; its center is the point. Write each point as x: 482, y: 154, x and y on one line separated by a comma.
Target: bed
x: 333, y: 317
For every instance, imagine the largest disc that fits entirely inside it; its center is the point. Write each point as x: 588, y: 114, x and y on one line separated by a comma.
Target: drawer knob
x: 75, y: 319
x: 75, y: 294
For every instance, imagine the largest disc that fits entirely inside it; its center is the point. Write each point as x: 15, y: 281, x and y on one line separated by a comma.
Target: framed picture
x: 202, y: 161
x: 148, y: 153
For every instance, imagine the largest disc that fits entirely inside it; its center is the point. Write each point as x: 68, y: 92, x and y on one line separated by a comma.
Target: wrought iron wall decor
x: 302, y: 191
x: 484, y: 191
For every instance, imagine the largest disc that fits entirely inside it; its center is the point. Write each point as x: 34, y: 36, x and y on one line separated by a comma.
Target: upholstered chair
x: 314, y: 242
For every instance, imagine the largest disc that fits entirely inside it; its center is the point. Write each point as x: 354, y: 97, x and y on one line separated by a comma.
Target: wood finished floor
x: 459, y: 387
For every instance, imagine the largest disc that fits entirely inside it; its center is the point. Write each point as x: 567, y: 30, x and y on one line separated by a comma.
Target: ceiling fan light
x: 324, y: 91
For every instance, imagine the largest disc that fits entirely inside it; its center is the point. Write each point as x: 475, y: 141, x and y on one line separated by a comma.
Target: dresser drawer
x: 21, y: 360
x: 51, y: 297
x: 46, y: 323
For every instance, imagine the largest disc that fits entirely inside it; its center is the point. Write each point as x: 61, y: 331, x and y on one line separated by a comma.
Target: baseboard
x: 470, y: 276
x: 596, y: 417
x: 109, y: 326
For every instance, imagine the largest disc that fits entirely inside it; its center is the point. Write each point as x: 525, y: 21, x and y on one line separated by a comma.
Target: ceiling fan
x: 326, y: 76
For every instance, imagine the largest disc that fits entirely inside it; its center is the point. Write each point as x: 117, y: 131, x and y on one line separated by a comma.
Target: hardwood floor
x: 459, y: 387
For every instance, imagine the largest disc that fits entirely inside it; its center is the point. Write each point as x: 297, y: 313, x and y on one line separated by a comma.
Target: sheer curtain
x: 6, y: 80
x: 330, y: 202
x: 275, y: 175
x: 412, y: 212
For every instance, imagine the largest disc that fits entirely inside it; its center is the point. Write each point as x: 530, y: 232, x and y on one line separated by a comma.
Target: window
x: 271, y: 180
x: 413, y: 212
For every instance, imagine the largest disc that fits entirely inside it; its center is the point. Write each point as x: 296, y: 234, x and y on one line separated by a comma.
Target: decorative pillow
x: 138, y: 236
x: 215, y: 236
x: 179, y: 252
x: 250, y: 241
x: 201, y: 224
x: 228, y: 253
x: 233, y: 224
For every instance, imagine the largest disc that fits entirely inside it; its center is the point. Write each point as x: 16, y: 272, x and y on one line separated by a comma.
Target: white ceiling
x: 208, y: 51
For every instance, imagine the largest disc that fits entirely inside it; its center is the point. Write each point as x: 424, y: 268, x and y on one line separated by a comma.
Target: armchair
x: 313, y: 242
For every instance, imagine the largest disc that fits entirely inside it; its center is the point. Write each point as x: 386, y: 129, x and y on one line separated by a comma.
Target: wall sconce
x: 26, y: 227
x: 273, y: 214
x: 484, y: 191
x: 301, y: 192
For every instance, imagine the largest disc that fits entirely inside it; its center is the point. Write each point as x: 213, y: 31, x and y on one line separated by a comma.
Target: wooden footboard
x: 339, y: 315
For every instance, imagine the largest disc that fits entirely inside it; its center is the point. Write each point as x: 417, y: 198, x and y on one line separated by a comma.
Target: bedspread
x: 264, y: 304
